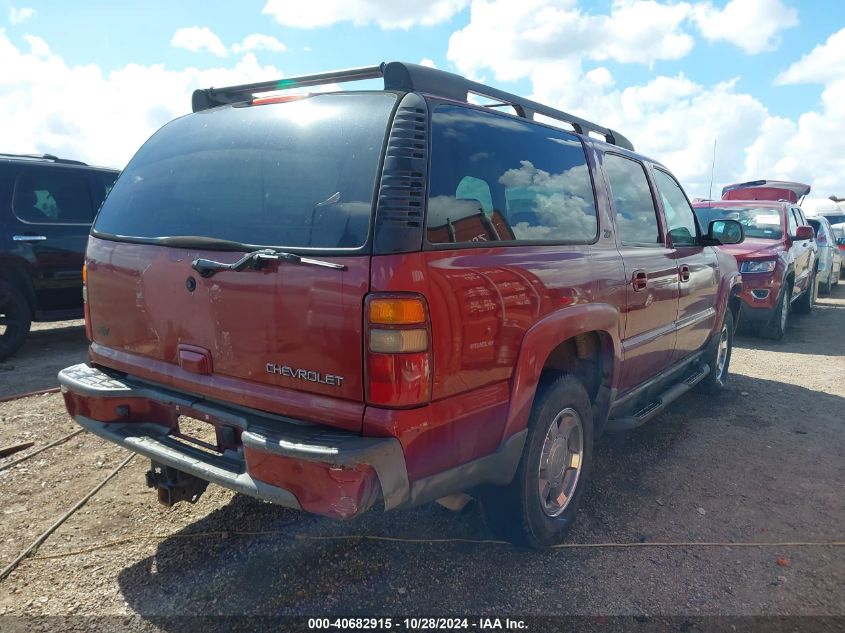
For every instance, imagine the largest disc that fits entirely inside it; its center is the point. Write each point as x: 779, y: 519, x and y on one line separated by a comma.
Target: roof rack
x: 408, y: 78
x: 47, y: 157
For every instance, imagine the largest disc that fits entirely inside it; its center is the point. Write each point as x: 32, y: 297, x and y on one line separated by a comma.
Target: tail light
x: 86, y: 311
x: 398, y: 354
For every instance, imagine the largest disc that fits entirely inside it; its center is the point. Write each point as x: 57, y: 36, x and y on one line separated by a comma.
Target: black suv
x: 47, y: 205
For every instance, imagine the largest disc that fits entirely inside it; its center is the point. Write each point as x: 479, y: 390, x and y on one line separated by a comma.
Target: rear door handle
x: 683, y: 271
x: 29, y: 238
x: 639, y: 280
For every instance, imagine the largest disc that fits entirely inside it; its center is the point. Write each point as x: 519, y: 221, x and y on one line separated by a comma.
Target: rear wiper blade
x: 256, y: 260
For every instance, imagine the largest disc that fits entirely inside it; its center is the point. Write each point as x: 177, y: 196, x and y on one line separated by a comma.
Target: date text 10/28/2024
x: 417, y: 624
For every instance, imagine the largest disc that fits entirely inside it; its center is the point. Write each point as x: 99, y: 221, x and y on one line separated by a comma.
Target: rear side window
x: 297, y: 174
x: 498, y: 178
x: 636, y: 217
x: 792, y: 221
x: 53, y: 196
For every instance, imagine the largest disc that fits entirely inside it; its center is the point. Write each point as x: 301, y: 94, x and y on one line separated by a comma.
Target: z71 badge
x: 308, y: 375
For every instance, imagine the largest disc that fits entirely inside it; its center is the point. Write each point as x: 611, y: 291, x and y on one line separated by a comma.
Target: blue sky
x: 562, y: 51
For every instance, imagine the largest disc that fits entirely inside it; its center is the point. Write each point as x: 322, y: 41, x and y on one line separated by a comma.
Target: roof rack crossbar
x: 211, y: 97
x: 408, y: 78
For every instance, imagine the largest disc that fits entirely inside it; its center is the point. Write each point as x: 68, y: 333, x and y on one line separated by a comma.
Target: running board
x: 657, y: 406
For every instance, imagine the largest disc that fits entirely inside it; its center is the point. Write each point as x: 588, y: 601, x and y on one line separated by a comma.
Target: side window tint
x: 679, y: 215
x: 636, y: 218
x: 50, y: 196
x: 497, y: 178
x: 102, y: 183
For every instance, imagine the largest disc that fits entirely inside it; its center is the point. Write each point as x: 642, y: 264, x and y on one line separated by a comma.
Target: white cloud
x: 258, y: 42
x: 425, y: 61
x: 82, y: 112
x: 673, y: 119
x: 19, y: 16
x: 812, y: 149
x: 826, y: 62
x: 196, y: 39
x: 388, y: 14
x: 37, y: 46
x: 752, y: 25
x: 513, y: 39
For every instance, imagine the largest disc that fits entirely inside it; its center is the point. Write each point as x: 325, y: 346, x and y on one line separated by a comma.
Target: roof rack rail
x: 408, y: 78
x: 49, y: 157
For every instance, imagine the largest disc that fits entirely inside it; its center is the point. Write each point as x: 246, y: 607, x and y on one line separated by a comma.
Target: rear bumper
x: 292, y: 463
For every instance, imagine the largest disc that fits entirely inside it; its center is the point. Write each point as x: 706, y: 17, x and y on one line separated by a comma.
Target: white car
x: 824, y: 207
x: 830, y: 257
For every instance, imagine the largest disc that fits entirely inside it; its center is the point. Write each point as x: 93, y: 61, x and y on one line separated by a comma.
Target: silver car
x: 830, y: 258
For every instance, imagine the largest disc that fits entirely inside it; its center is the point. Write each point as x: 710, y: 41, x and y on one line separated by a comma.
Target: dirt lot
x: 764, y: 463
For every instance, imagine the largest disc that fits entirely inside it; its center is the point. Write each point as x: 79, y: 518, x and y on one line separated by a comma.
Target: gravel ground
x: 763, y: 463
x: 49, y: 348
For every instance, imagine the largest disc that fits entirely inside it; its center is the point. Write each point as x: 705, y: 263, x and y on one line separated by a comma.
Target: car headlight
x: 758, y: 267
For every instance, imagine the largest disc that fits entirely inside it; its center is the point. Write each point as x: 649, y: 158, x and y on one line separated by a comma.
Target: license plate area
x: 198, y: 434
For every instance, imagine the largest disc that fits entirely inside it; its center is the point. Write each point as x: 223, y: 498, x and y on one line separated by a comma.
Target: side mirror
x: 721, y: 232
x: 804, y: 233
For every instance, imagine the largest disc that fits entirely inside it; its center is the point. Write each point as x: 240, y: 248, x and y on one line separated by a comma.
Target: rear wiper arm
x: 256, y: 260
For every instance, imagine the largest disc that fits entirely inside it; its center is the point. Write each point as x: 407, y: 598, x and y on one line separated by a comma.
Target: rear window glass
x: 759, y: 222
x: 294, y: 174
x: 498, y: 178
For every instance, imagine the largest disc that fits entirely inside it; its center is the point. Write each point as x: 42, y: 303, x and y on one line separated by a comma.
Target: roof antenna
x: 712, y: 169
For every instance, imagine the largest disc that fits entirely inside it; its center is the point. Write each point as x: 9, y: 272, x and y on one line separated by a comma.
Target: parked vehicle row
x: 786, y: 256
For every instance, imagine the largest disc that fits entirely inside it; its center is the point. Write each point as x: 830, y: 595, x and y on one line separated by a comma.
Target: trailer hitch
x: 173, y: 485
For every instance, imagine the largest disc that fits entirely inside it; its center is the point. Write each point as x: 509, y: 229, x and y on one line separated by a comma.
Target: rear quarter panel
x: 497, y: 313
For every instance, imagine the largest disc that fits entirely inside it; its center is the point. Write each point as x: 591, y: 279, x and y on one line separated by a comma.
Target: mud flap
x: 174, y: 485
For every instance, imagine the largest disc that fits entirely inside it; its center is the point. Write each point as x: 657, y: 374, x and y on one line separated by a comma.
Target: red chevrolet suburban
x: 335, y: 300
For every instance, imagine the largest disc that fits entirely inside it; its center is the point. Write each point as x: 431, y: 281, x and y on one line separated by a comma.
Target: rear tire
x: 776, y: 327
x: 15, y: 319
x: 538, y: 507
x: 806, y: 301
x: 718, y: 357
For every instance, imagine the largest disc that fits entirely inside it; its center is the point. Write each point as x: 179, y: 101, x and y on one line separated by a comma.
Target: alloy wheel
x: 561, y: 459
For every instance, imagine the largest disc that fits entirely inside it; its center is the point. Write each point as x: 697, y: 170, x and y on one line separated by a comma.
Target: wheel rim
x: 10, y: 320
x: 722, y: 355
x: 561, y: 460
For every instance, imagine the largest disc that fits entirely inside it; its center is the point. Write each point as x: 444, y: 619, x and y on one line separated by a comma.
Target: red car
x: 394, y: 296
x: 779, y: 256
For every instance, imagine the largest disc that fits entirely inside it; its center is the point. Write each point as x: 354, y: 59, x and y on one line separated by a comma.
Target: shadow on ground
x: 47, y: 350
x: 706, y: 470
x: 814, y: 333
